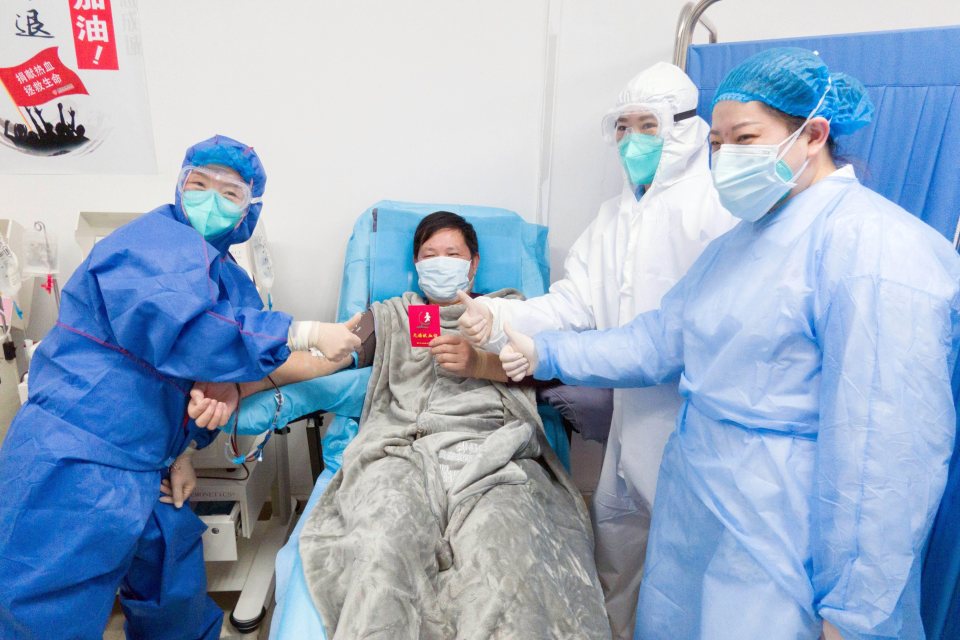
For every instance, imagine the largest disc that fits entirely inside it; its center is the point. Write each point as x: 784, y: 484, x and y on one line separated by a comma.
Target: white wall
x: 603, y: 44
x: 346, y: 102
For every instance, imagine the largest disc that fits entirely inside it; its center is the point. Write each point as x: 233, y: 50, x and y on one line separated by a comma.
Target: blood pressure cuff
x: 367, y: 333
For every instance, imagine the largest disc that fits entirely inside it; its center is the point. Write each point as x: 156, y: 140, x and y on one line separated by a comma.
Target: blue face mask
x: 210, y: 213
x: 751, y: 179
x: 640, y: 154
x: 441, y: 277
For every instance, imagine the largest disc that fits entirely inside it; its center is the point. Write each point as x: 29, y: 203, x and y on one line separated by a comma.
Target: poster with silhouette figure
x: 72, y: 88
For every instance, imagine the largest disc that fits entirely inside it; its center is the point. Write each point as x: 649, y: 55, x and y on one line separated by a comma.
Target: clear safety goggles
x: 208, y: 178
x: 637, y: 119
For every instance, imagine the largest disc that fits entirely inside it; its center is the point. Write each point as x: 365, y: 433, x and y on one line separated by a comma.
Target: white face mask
x: 441, y: 277
x: 751, y: 179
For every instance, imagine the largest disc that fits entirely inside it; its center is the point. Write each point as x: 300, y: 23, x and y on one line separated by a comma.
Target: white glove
x: 183, y: 479
x: 519, y: 356
x: 476, y: 322
x: 335, y: 340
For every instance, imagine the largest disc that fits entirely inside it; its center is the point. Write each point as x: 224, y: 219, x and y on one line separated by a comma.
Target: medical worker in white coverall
x: 640, y: 244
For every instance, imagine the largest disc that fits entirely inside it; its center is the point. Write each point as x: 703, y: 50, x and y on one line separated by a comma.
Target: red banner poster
x: 94, y: 35
x: 40, y: 79
x: 72, y: 89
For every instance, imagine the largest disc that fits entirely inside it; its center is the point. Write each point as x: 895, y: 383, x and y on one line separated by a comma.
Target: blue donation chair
x: 379, y: 265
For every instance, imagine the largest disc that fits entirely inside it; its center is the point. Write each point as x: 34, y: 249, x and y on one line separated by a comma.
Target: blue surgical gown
x: 152, y: 309
x: 814, y: 350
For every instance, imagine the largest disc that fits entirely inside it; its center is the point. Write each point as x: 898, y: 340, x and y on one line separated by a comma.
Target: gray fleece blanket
x: 451, y: 517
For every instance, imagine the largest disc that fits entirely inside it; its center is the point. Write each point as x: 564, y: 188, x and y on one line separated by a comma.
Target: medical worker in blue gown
x: 157, y: 306
x: 814, y: 345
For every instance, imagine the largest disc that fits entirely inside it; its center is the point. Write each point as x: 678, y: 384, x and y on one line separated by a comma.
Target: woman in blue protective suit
x: 157, y: 306
x: 814, y: 344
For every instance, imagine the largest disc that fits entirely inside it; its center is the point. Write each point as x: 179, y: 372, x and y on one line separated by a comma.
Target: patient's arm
x: 299, y: 366
x: 456, y: 355
x: 212, y: 403
x: 302, y: 366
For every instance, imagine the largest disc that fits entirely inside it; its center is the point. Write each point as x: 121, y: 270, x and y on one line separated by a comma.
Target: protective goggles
x: 638, y: 119
x: 208, y: 178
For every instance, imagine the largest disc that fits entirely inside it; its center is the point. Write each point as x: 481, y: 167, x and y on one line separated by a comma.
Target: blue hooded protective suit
x: 815, y: 349
x: 152, y: 309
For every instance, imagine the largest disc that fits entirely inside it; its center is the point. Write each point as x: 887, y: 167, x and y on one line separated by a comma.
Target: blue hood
x: 242, y: 159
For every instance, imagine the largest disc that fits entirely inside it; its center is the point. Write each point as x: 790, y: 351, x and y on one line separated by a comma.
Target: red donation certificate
x: 424, y: 323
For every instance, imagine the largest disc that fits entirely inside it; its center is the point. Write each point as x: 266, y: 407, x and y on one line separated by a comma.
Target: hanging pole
x: 690, y: 16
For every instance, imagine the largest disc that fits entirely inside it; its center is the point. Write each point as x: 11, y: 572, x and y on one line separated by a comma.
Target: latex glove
x: 519, y: 356
x: 476, y: 322
x: 334, y: 340
x: 177, y: 488
x: 830, y: 632
x: 212, y: 403
x: 454, y: 354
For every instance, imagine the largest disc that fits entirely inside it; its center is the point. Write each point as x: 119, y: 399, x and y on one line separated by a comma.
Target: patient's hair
x: 440, y: 220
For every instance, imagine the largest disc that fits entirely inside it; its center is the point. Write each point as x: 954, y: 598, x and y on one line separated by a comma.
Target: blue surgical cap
x: 242, y: 159
x: 793, y: 80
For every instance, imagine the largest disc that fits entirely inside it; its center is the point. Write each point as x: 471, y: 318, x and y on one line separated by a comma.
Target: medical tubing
x: 233, y: 447
x: 233, y: 452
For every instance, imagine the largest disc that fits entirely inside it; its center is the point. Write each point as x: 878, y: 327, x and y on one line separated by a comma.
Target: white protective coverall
x: 626, y: 260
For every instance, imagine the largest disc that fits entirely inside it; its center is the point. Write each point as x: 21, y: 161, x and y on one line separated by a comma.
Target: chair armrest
x: 588, y: 410
x: 341, y: 393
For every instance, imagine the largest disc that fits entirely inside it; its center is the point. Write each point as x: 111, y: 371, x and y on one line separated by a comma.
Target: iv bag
x: 262, y: 262
x: 40, y: 253
x: 9, y: 270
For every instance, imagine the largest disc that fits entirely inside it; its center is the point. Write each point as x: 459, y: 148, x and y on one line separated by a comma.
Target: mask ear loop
x: 796, y: 134
x: 473, y: 280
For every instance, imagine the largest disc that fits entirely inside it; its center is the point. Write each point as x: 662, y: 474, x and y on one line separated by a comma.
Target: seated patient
x: 451, y: 517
